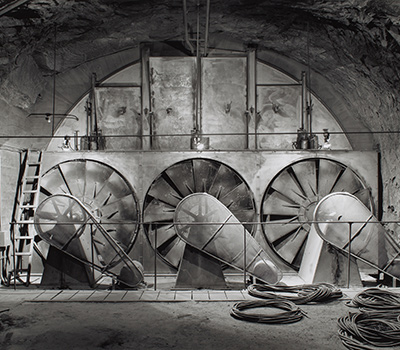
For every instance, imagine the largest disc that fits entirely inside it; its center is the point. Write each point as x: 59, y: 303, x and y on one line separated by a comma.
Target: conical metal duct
x: 203, y: 222
x: 65, y: 223
x: 345, y: 222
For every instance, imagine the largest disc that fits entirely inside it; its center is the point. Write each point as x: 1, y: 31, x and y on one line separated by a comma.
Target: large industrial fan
x: 181, y: 180
x: 344, y: 222
x: 103, y: 190
x: 95, y: 191
x: 68, y: 225
x: 290, y: 199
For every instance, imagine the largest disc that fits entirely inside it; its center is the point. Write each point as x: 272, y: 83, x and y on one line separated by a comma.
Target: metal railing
x: 153, y: 241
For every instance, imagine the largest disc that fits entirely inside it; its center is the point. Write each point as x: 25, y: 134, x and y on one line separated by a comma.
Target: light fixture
x: 327, y: 144
x: 199, y: 143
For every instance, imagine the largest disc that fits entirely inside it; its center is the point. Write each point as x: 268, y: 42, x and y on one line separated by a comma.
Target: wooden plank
x: 98, y: 295
x: 132, y: 295
x: 201, y: 295
x: 115, y: 295
x: 150, y: 295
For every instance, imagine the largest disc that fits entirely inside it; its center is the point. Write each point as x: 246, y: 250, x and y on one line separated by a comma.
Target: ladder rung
x: 32, y: 177
x: 23, y: 253
x: 27, y: 206
x: 24, y: 237
x: 34, y: 163
x: 30, y: 191
x: 17, y: 271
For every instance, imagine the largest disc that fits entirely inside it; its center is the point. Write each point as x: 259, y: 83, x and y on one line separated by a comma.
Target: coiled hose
x: 377, y: 299
x: 291, y: 314
x: 307, y: 293
x: 376, y: 325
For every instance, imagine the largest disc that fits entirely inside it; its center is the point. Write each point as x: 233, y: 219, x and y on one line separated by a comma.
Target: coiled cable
x: 370, y: 328
x: 292, y: 313
x: 376, y: 298
x: 307, y: 293
x: 377, y: 324
x: 272, y: 299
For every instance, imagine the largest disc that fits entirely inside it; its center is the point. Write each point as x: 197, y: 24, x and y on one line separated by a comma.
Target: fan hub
x: 306, y: 212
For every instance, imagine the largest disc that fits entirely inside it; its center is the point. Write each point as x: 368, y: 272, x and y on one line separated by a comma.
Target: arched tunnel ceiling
x: 353, y: 44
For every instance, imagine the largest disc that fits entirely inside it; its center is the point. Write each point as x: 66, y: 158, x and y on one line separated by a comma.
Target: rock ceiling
x: 354, y: 44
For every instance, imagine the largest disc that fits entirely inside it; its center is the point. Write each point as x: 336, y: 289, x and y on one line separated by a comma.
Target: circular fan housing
x: 185, y: 178
x: 290, y: 199
x: 103, y: 190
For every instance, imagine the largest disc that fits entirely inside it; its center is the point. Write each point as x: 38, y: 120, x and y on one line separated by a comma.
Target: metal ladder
x: 22, y: 225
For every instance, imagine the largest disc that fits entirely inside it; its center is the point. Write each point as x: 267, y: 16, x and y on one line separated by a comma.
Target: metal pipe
x: 207, y: 27
x: 155, y: 258
x: 349, y: 256
x: 244, y: 257
x: 309, y: 81
x: 54, y: 79
x: 198, y: 80
x: 303, y: 99
x: 185, y: 23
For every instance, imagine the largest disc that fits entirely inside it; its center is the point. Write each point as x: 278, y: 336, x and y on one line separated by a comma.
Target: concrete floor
x: 36, y: 318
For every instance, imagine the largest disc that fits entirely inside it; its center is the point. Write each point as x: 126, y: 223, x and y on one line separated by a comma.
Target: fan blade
x: 328, y: 173
x: 347, y: 182
x: 165, y: 233
x: 126, y: 208
x: 287, y: 186
x: 289, y: 250
x: 223, y: 183
x: 204, y: 174
x: 158, y: 211
x: 280, y: 228
x: 238, y: 198
x: 174, y: 252
x: 74, y: 174
x: 306, y: 176
x: 364, y: 195
x: 163, y: 191
x: 181, y: 175
x: 277, y: 204
x: 53, y: 182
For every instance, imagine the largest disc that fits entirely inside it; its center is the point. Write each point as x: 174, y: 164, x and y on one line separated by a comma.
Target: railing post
x: 155, y: 257
x: 92, y: 251
x: 349, y: 256
x: 14, y: 259
x: 244, y: 256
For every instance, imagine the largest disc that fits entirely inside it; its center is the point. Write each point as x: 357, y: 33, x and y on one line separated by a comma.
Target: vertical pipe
x: 94, y: 111
x: 349, y: 256
x: 198, y: 83
x: 14, y: 262
x: 303, y: 99
x: 207, y: 27
x: 155, y: 258
x: 54, y: 80
x: 251, y: 96
x: 76, y: 138
x: 309, y: 82
x: 146, y: 132
x: 92, y: 248
x: 189, y: 44
x: 244, y: 257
